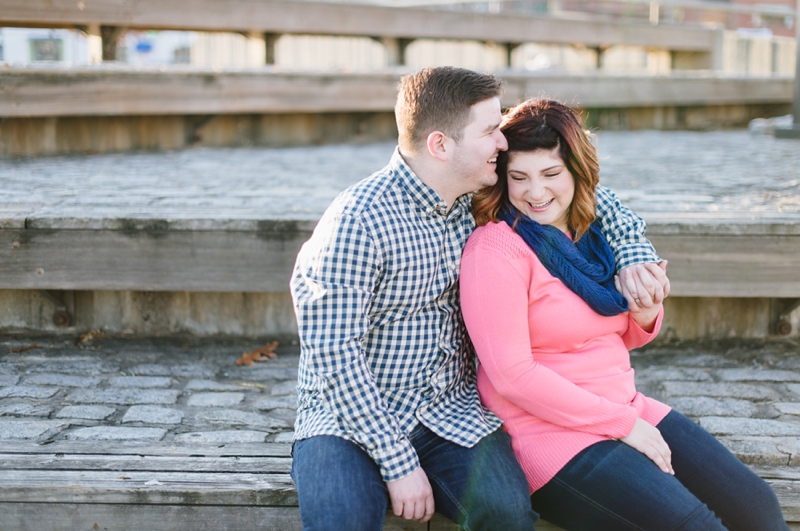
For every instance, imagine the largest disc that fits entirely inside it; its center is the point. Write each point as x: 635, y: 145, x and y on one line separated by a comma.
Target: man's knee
x: 498, y: 496
x: 339, y: 486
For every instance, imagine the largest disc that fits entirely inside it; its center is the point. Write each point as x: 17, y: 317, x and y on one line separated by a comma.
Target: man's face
x: 475, y: 156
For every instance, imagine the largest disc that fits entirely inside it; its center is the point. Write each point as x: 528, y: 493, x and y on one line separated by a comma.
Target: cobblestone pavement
x: 190, y: 390
x: 653, y: 171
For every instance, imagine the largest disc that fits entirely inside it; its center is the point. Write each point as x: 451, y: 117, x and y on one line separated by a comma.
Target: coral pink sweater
x: 557, y: 373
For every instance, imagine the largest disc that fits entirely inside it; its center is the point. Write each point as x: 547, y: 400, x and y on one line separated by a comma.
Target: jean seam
x: 455, y: 501
x: 691, y: 516
x: 602, y: 509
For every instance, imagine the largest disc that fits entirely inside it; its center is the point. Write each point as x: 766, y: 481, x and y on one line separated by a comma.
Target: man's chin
x: 490, y: 180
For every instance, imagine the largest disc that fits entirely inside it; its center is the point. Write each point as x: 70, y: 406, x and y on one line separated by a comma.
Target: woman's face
x: 540, y: 186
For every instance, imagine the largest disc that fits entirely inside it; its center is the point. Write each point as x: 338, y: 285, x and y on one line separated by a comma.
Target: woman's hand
x: 648, y: 440
x: 644, y: 285
x: 644, y: 311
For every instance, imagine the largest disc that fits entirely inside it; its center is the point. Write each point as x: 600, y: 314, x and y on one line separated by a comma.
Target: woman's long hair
x: 540, y: 124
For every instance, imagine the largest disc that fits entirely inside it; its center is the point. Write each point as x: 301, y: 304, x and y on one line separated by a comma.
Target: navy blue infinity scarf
x: 586, y: 267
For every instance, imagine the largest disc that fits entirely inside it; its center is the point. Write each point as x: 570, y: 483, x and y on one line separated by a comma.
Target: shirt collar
x: 426, y: 199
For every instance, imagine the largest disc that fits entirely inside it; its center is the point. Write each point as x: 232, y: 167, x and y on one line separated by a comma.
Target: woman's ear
x: 438, y: 145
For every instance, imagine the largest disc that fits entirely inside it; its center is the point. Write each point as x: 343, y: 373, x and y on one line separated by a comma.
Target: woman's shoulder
x: 498, y: 238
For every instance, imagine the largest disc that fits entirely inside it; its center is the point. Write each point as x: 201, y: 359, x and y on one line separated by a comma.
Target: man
x: 388, y: 406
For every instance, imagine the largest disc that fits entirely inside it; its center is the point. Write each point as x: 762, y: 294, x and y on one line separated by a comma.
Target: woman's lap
x: 612, y: 486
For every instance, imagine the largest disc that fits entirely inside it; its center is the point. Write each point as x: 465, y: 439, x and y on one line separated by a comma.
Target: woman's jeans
x: 611, y: 486
x: 340, y: 487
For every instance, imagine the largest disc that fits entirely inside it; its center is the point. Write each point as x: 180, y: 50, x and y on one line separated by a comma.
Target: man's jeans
x: 611, y: 486
x: 481, y: 488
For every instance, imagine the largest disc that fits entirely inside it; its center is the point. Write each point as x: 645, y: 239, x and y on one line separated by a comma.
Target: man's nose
x: 502, y: 143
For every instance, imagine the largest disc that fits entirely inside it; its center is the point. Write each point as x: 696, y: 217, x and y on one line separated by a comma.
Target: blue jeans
x: 611, y: 486
x: 340, y: 487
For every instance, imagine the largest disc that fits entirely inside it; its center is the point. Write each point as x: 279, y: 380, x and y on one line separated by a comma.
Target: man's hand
x: 411, y: 496
x: 644, y: 285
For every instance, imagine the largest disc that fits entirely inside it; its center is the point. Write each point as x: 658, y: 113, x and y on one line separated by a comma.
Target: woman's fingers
x: 648, y: 440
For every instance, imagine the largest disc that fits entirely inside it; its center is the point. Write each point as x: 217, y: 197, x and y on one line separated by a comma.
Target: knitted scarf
x: 586, y: 267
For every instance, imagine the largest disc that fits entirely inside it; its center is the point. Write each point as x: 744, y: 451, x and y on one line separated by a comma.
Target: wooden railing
x: 395, y: 27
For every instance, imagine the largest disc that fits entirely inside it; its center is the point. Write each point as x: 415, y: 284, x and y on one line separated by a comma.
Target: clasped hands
x: 644, y: 285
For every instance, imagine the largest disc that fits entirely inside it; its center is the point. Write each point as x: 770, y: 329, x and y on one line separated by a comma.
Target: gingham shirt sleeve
x: 332, y: 287
x: 624, y: 230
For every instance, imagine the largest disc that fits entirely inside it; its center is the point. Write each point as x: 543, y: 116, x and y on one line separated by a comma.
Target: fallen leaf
x: 88, y: 337
x: 22, y: 349
x: 254, y: 384
x: 258, y: 354
x: 124, y: 477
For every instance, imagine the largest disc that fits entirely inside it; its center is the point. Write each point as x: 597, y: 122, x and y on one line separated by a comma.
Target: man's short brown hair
x: 439, y: 99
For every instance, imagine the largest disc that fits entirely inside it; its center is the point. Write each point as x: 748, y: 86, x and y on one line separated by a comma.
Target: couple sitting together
x: 483, y: 373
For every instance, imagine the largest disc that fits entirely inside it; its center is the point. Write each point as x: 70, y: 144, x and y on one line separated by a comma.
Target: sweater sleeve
x: 494, y: 301
x: 635, y: 336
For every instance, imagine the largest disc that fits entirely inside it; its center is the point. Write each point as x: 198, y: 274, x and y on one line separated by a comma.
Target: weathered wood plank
x: 788, y: 492
x: 149, y: 260
x: 69, y: 517
x: 133, y: 448
x: 157, y: 488
x: 700, y: 265
x: 791, y: 473
x: 731, y: 266
x: 110, y: 92
x: 116, y: 463
x: 341, y: 19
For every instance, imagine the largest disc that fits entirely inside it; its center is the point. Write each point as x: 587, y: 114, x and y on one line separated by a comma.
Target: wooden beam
x: 151, y: 260
x: 109, y: 92
x: 322, y: 18
x: 721, y: 259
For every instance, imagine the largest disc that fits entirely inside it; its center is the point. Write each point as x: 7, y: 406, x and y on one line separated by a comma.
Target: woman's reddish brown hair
x: 541, y: 124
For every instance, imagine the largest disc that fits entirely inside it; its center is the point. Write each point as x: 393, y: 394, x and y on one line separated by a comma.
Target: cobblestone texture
x: 745, y: 392
x: 683, y: 171
x: 86, y: 412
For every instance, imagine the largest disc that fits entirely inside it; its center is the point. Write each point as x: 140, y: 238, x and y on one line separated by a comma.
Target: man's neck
x: 430, y: 173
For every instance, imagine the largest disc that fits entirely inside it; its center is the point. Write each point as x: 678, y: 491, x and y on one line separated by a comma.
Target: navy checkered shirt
x: 383, y: 343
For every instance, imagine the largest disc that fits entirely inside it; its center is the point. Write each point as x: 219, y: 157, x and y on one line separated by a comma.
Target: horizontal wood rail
x: 100, y: 91
x: 353, y: 20
x: 708, y: 256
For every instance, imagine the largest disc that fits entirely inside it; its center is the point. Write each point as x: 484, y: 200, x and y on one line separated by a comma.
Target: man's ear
x: 438, y: 146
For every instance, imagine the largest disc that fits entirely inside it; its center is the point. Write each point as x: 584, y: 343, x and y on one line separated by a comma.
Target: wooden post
x: 796, y: 106
x: 94, y: 43
x: 256, y: 49
x: 110, y: 39
x: 794, y: 131
x: 270, y: 40
x: 395, y: 49
x: 510, y: 47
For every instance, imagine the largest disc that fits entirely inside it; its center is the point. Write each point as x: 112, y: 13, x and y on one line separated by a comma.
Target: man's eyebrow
x: 493, y: 127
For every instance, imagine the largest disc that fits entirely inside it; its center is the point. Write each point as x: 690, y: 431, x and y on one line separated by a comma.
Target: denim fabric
x: 610, y: 486
x: 481, y: 488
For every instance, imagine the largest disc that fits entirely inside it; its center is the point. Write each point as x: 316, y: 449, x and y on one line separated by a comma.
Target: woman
x: 552, y: 335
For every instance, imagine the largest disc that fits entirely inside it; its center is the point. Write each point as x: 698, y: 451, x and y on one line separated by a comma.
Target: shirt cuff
x: 637, y: 253
x: 397, y: 461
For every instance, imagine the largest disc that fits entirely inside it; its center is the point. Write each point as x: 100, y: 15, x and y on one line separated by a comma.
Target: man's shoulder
x: 363, y: 196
